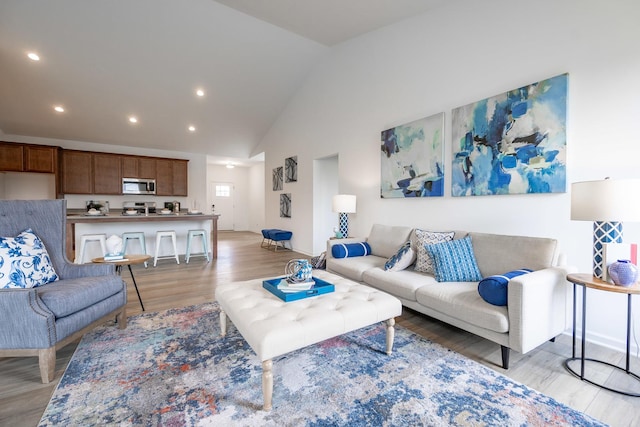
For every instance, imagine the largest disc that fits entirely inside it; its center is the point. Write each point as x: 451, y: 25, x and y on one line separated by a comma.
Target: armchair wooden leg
x: 121, y: 319
x: 505, y: 356
x: 47, y: 362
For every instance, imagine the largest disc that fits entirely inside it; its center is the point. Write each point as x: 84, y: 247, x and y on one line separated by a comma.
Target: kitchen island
x: 117, y: 223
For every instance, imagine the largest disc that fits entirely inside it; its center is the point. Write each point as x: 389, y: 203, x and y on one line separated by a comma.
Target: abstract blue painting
x: 412, y: 159
x: 513, y: 143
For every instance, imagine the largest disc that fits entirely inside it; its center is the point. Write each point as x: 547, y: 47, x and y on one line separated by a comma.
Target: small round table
x: 590, y: 282
x: 128, y: 260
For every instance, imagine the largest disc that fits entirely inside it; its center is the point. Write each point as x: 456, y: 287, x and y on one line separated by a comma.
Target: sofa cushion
x: 424, y: 263
x: 497, y: 253
x: 493, y: 289
x: 25, y: 262
x: 402, y: 284
x: 385, y: 240
x: 462, y: 301
x: 402, y: 259
x: 347, y: 250
x: 454, y: 261
x: 68, y: 296
x: 353, y: 268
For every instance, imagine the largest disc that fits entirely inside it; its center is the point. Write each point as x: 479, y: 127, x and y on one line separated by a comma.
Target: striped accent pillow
x: 493, y: 289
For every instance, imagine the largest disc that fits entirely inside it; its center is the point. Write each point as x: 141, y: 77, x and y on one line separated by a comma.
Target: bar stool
x: 159, y: 236
x: 87, y: 238
x: 135, y: 235
x: 205, y: 246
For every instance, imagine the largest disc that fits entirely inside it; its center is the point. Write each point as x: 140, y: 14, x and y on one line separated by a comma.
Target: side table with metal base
x: 589, y: 281
x: 128, y: 261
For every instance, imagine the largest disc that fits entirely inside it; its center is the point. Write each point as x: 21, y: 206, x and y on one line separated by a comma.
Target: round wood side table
x: 128, y: 260
x: 587, y: 281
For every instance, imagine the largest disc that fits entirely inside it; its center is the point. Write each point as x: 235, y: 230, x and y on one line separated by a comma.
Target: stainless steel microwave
x: 138, y: 186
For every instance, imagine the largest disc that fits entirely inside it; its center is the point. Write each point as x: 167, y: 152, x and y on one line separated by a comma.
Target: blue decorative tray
x: 319, y: 288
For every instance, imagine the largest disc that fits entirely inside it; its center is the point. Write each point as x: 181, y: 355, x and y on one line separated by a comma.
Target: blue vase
x: 623, y: 272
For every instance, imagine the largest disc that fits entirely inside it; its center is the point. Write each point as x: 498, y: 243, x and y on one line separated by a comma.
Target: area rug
x: 173, y: 368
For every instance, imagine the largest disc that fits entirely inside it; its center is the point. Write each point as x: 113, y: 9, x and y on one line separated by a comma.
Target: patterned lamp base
x: 344, y: 224
x: 604, y: 232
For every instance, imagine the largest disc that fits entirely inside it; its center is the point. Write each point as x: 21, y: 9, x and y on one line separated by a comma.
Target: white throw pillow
x: 402, y: 259
x: 24, y: 262
x: 424, y: 263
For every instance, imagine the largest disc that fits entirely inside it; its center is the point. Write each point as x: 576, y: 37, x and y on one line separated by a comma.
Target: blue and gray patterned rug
x: 173, y: 369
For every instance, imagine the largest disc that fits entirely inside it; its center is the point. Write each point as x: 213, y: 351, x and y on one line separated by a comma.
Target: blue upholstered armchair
x: 38, y: 321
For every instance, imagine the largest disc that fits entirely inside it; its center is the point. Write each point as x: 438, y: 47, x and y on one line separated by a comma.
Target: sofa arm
x: 74, y: 271
x: 537, y: 307
x: 26, y: 322
x: 332, y: 242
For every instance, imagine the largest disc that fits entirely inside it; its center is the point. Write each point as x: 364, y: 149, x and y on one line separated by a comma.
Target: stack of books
x: 287, y: 287
x: 113, y: 257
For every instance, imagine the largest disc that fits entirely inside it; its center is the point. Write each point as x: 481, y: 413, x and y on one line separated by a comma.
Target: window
x: 223, y: 190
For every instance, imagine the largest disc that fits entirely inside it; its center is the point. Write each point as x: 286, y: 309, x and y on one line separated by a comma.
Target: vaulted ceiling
x: 106, y: 61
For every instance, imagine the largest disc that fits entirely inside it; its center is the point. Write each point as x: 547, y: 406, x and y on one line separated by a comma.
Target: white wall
x: 256, y: 197
x: 27, y: 186
x: 461, y: 53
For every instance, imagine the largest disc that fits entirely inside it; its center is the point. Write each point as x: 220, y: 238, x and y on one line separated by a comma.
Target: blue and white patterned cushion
x: 402, y: 259
x: 24, y: 262
x: 454, y: 261
x: 493, y: 289
x: 424, y: 263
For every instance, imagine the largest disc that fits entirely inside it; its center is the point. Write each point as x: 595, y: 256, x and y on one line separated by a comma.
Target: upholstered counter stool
x: 135, y: 235
x: 159, y: 235
x: 205, y: 245
x: 88, y: 238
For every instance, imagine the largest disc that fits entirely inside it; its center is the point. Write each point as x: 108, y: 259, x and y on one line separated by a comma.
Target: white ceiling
x: 106, y: 60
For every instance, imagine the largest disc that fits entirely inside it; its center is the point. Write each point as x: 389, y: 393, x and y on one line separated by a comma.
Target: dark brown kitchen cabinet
x: 11, y: 157
x: 107, y: 173
x: 172, y: 177
x: 38, y: 158
x: 138, y: 167
x: 77, y: 172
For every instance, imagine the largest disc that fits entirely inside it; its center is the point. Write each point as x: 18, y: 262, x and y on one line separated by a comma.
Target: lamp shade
x: 344, y: 203
x: 606, y: 200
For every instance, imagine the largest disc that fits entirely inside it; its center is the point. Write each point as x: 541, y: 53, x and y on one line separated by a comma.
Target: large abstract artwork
x: 412, y: 159
x: 513, y: 143
x: 285, y: 205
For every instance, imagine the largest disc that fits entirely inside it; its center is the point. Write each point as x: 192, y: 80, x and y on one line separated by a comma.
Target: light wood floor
x: 23, y: 397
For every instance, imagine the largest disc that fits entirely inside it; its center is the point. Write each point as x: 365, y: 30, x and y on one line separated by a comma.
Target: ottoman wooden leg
x: 391, y: 332
x: 267, y: 384
x: 223, y: 323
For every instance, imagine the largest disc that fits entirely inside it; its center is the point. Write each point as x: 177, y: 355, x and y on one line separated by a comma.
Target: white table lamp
x: 607, y: 203
x: 344, y: 204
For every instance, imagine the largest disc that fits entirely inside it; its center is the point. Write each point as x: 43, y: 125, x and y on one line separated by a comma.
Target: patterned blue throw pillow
x: 24, y: 262
x: 346, y: 250
x: 454, y: 261
x: 402, y: 259
x: 493, y: 289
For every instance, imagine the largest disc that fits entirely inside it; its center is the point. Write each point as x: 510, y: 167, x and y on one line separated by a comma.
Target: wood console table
x: 72, y: 220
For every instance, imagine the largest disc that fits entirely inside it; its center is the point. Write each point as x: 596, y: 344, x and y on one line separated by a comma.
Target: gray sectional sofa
x: 537, y: 302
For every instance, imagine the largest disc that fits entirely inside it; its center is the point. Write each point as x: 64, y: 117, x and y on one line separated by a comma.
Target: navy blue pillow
x: 346, y: 250
x: 493, y: 289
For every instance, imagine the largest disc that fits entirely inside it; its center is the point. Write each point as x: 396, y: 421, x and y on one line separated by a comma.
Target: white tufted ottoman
x: 273, y: 327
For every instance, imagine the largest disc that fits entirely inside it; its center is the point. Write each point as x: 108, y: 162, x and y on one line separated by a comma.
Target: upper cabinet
x: 138, y: 167
x: 16, y: 157
x: 77, y: 172
x: 107, y: 173
x: 172, y: 177
x: 86, y: 172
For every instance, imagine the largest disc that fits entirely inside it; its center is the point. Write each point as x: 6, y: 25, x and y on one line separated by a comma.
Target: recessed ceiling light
x: 230, y: 166
x: 200, y: 92
x: 133, y: 119
x: 192, y: 128
x: 33, y: 56
x: 59, y: 108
